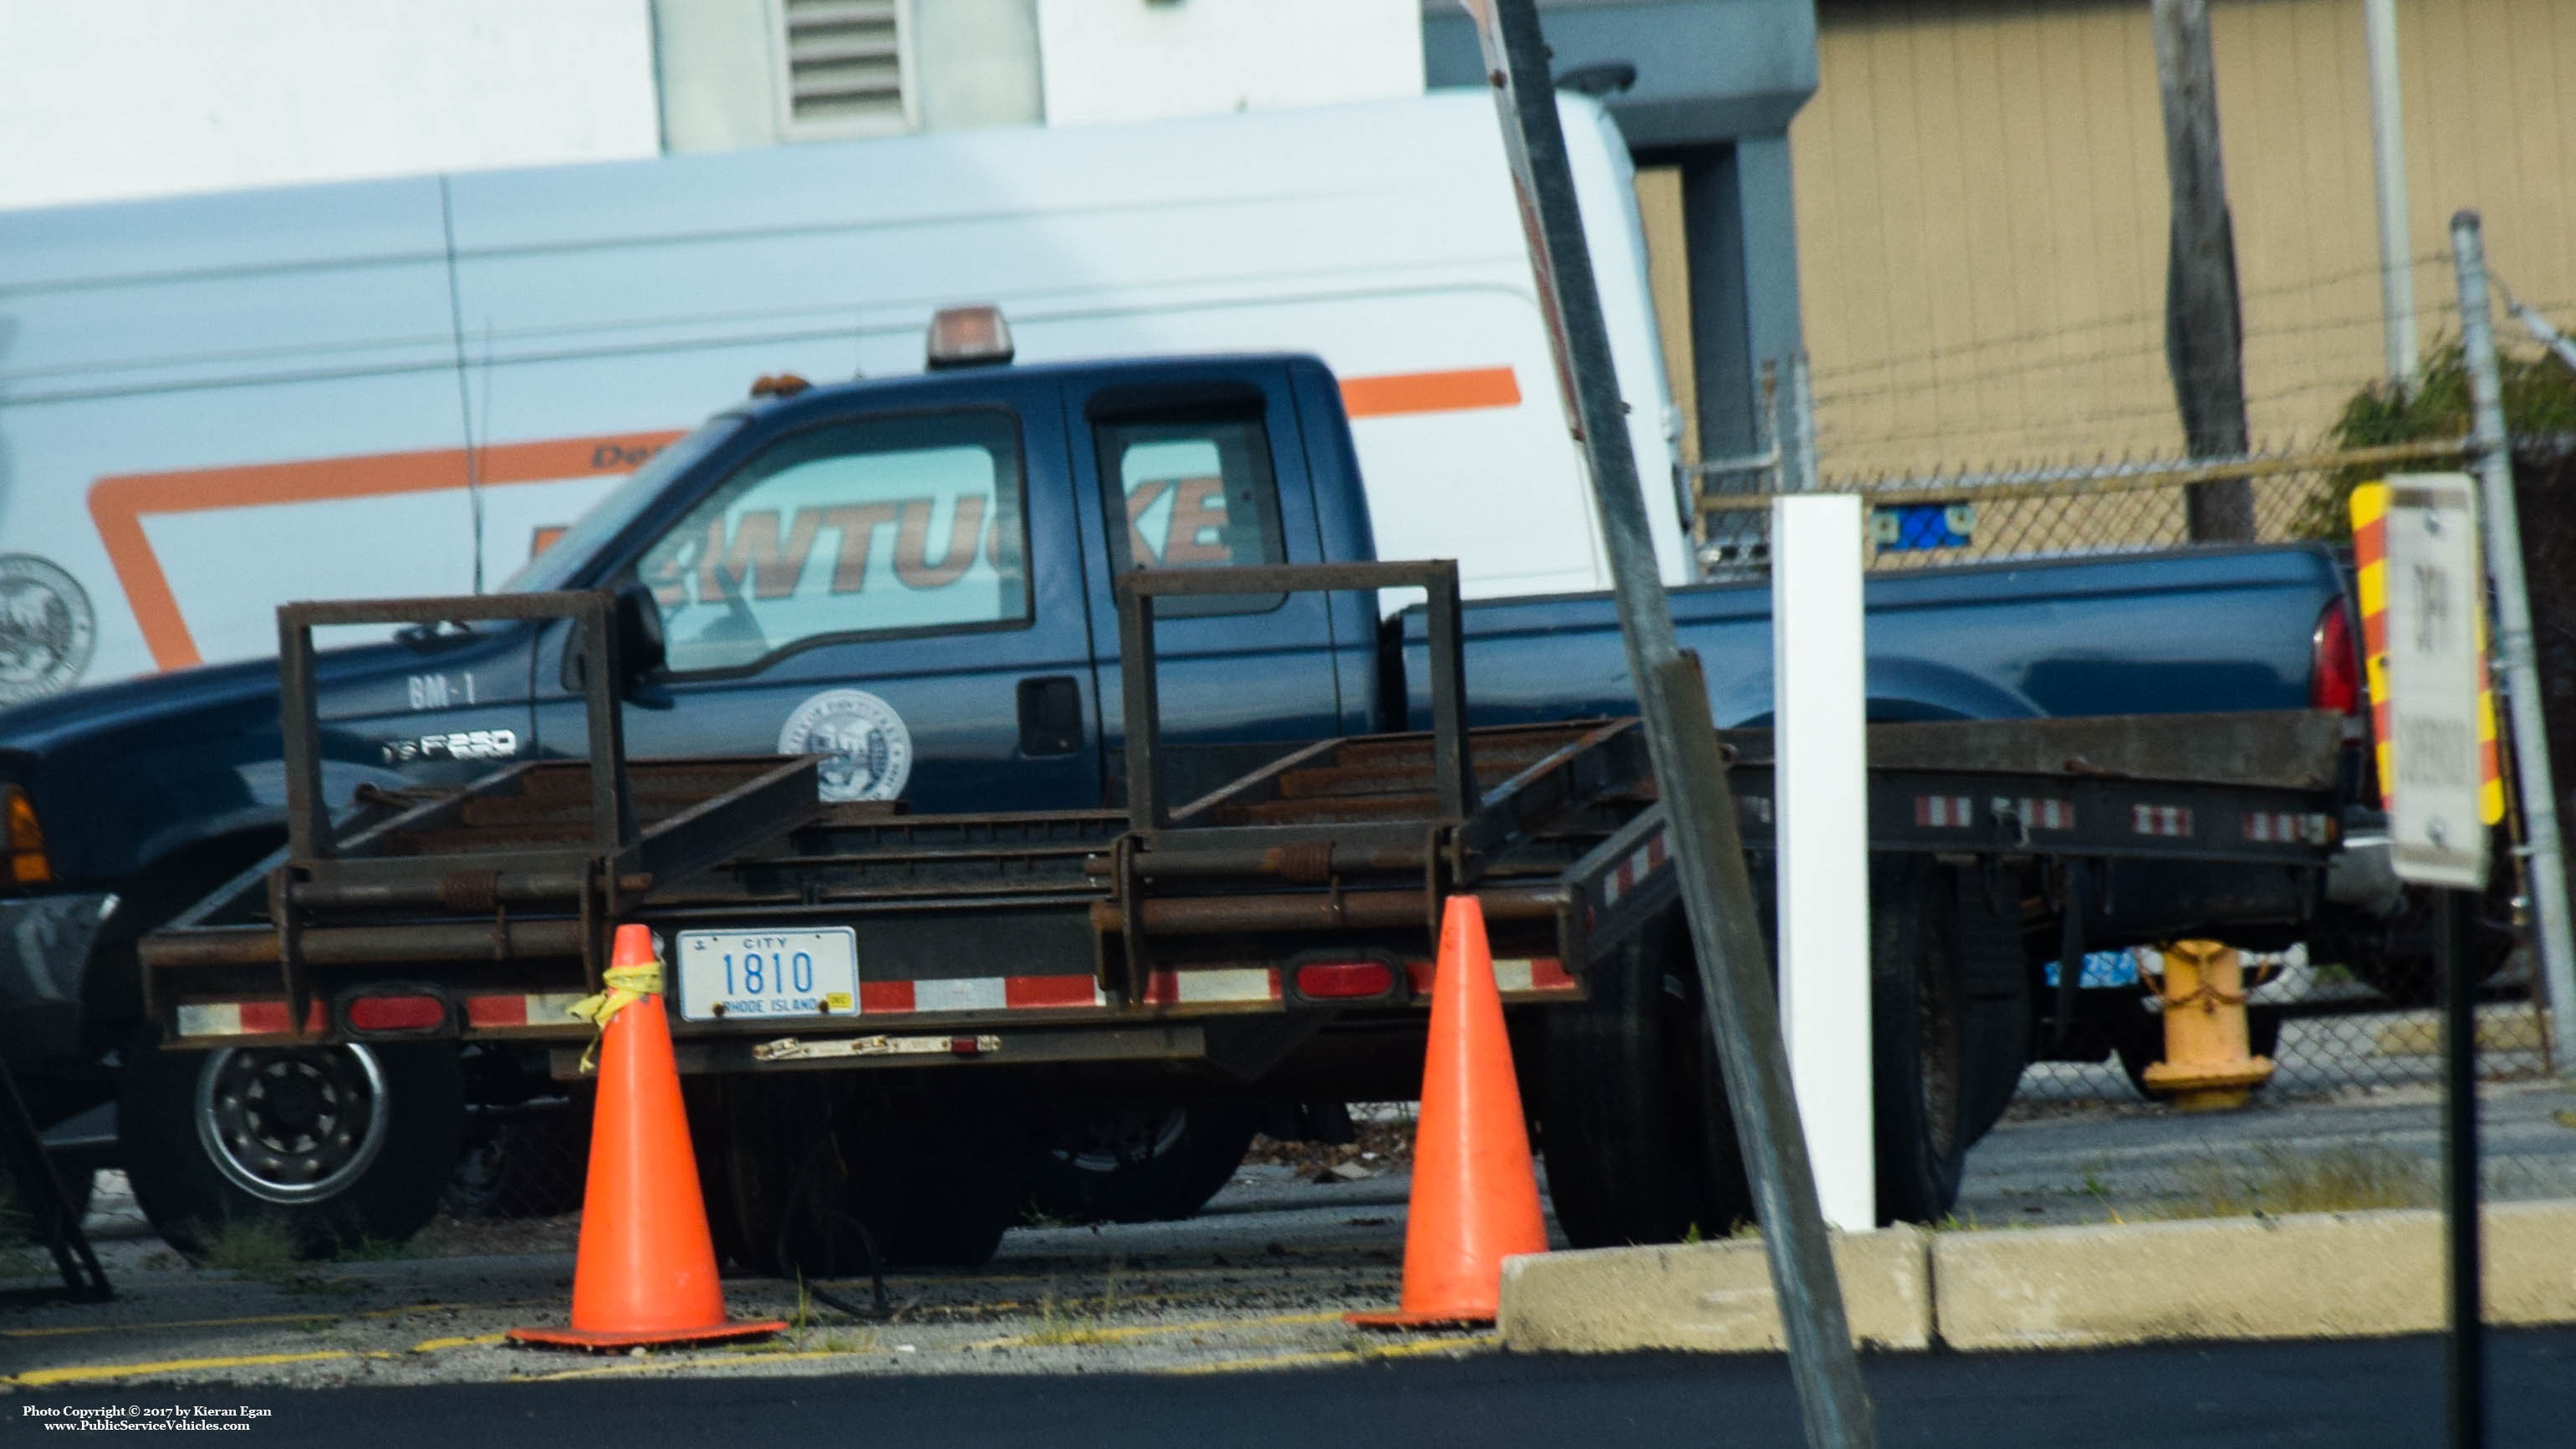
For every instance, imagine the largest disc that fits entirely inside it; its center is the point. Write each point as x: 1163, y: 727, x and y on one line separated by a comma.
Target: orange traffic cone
x: 1475, y: 1195
x: 647, y: 1271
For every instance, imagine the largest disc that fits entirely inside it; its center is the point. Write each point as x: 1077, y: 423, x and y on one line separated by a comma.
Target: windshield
x: 607, y: 518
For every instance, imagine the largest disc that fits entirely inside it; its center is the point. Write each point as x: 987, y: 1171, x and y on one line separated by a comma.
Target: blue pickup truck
x: 912, y: 581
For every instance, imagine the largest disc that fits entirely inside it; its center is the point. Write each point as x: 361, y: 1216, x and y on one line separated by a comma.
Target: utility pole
x: 1717, y: 891
x: 2388, y: 154
x: 2204, y: 327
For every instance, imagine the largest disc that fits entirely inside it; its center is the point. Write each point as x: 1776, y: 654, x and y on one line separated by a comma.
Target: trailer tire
x: 1633, y: 1118
x: 1995, y: 999
x: 337, y: 1146
x: 1916, y: 987
x: 1138, y: 1165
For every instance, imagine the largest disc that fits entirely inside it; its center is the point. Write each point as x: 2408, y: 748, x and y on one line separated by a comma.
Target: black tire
x: 806, y: 1173
x: 1916, y: 991
x: 337, y: 1146
x: 1995, y: 998
x: 1633, y: 1116
x: 1138, y: 1164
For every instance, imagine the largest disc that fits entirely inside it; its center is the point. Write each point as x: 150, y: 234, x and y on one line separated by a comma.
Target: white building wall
x: 1142, y: 60
x: 158, y: 97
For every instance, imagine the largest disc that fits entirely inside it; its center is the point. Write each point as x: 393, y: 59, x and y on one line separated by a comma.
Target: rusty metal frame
x: 308, y: 815
x: 1136, y: 590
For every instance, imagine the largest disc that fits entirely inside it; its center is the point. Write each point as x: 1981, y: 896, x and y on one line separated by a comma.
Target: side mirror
x: 641, y: 647
x: 642, y: 650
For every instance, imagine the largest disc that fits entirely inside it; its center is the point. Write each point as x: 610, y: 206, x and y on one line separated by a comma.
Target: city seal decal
x: 870, y: 750
x: 46, y: 628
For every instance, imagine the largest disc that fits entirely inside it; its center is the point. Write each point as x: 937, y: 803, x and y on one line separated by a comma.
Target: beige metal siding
x: 1981, y: 211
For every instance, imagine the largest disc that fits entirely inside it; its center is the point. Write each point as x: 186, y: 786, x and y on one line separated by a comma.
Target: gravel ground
x: 1258, y: 1280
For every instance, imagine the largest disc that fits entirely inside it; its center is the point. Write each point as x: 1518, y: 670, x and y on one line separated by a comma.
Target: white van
x: 213, y: 405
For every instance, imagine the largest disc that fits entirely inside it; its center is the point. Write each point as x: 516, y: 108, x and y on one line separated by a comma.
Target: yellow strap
x: 626, y: 986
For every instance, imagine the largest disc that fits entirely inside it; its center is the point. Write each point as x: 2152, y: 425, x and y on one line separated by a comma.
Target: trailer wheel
x: 1633, y: 1116
x: 1916, y: 1049
x: 337, y: 1146
x: 1138, y: 1164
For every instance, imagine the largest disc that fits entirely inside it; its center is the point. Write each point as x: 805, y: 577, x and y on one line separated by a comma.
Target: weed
x: 2097, y: 1185
x: 1691, y: 1234
x: 255, y: 1247
x: 2347, y: 1179
x: 380, y: 1250
x: 1059, y: 1328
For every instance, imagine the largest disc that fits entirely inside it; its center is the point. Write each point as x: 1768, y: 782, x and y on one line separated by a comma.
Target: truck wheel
x: 1633, y: 1116
x: 1138, y: 1164
x: 335, y: 1145
x: 1915, y: 989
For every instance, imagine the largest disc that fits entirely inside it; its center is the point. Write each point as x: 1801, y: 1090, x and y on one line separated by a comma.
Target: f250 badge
x: 459, y: 745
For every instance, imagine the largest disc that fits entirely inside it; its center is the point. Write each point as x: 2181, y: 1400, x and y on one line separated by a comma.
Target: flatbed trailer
x: 1271, y: 938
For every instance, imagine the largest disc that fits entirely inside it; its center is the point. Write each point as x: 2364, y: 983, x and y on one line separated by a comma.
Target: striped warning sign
x: 2370, y: 553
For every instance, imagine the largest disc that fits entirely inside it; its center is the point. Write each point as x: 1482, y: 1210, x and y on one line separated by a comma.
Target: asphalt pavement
x: 2349, y: 1395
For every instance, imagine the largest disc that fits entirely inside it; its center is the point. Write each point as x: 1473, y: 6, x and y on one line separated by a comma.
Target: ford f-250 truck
x: 914, y: 580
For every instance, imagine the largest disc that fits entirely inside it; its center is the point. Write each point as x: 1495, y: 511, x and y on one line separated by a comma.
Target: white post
x: 2388, y: 151
x: 1821, y: 794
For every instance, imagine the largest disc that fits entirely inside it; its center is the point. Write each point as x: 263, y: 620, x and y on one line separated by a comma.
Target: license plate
x: 725, y: 975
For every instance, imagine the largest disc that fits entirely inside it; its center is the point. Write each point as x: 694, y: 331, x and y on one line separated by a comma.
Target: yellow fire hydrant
x: 2209, y: 1063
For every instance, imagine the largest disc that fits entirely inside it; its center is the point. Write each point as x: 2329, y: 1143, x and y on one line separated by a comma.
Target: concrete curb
x: 2321, y: 1275
x: 1711, y: 1297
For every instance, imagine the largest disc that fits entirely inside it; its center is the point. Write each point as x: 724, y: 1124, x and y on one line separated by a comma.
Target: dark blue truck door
x: 1205, y: 467
x: 897, y: 588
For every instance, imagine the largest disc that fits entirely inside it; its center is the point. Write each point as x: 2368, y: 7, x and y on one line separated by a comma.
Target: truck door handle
x: 1050, y: 715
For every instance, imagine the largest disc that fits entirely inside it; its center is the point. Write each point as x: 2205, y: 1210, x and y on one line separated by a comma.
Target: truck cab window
x: 876, y: 525
x: 1196, y: 493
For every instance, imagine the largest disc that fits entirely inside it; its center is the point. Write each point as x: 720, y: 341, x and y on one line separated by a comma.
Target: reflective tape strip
x: 538, y: 1009
x: 968, y: 993
x: 222, y: 1018
x: 2047, y: 814
x: 2171, y: 821
x: 1511, y: 974
x: 1027, y: 993
x: 1642, y: 862
x: 1201, y: 988
x: 244, y: 1018
x: 1944, y: 812
x: 885, y: 997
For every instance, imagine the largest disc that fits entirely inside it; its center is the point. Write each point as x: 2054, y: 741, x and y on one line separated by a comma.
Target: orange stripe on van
x: 118, y: 505
x: 1430, y: 392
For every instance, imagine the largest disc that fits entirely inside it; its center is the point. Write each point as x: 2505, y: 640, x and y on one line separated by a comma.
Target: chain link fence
x: 2348, y: 1118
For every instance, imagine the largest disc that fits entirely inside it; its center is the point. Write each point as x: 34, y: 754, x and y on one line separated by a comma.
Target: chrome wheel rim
x: 292, y: 1124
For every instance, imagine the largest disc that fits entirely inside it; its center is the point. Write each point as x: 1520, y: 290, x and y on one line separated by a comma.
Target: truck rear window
x: 1192, y: 494
x: 874, y: 525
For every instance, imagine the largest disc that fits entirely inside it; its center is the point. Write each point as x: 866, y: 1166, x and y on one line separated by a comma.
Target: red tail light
x: 2334, y: 672
x: 1344, y: 979
x: 397, y: 1013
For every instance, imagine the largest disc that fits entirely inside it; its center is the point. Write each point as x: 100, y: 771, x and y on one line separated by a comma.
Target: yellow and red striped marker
x: 2370, y: 552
